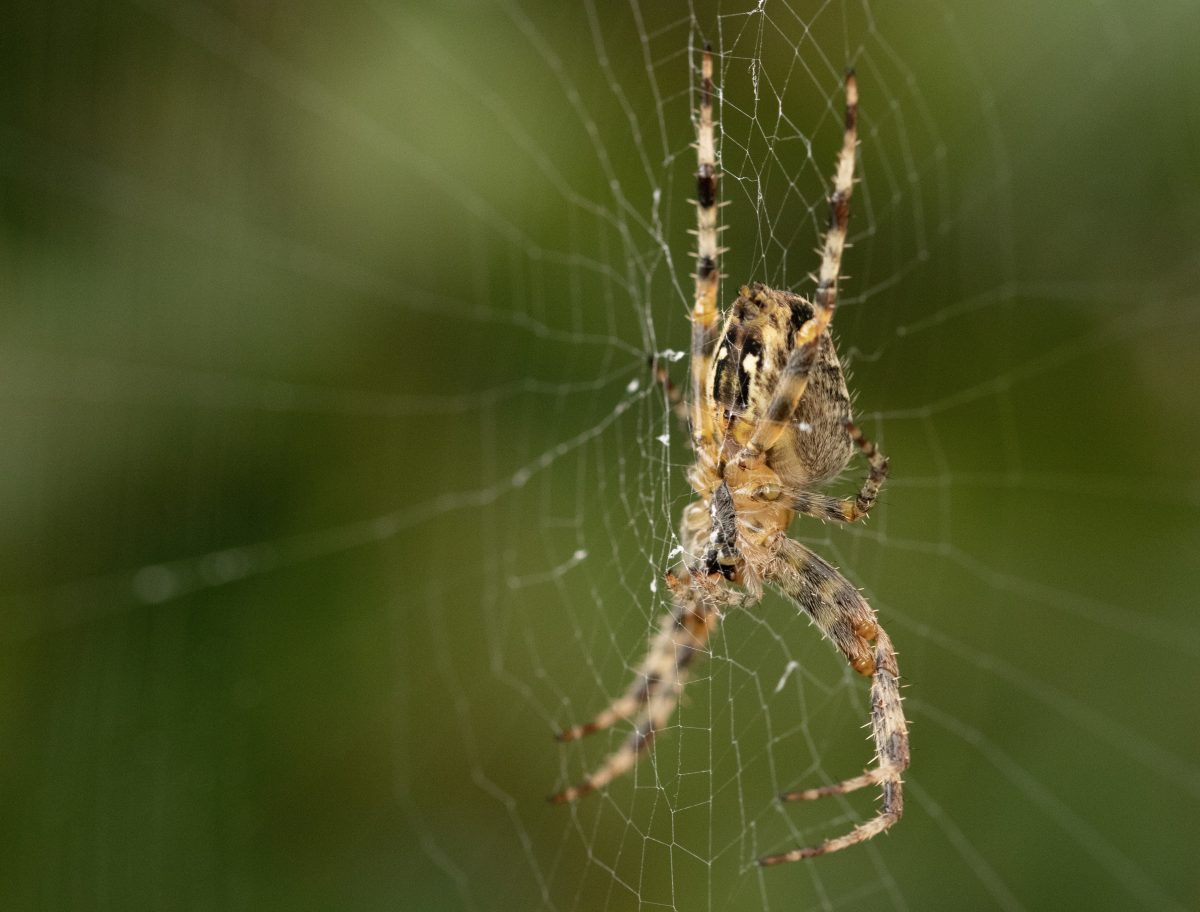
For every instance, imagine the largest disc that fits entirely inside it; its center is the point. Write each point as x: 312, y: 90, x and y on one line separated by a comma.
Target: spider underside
x: 770, y: 421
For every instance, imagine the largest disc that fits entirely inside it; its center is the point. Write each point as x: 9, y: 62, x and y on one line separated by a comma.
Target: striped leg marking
x: 794, y: 379
x: 652, y: 698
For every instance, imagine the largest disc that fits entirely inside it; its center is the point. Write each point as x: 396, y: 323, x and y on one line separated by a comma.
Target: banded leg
x: 834, y: 605
x: 705, y: 327
x: 652, y: 699
x: 794, y: 378
x: 890, y: 732
x: 877, y: 475
x: 842, y: 612
x: 841, y: 509
x: 647, y: 679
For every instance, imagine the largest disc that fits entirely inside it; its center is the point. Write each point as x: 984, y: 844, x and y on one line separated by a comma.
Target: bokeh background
x: 332, y: 480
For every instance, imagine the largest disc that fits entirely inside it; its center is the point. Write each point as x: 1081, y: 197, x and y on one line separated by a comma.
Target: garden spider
x: 769, y: 414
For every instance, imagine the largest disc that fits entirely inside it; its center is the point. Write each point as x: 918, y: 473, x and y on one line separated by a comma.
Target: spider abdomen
x: 753, y: 350
x: 756, y: 343
x: 816, y: 447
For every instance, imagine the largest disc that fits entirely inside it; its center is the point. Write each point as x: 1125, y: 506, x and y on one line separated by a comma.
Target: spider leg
x: 834, y: 605
x: 647, y: 680
x: 840, y: 611
x: 875, y: 477
x: 838, y: 509
x: 705, y: 327
x: 794, y: 379
x: 655, y: 693
x: 694, y: 414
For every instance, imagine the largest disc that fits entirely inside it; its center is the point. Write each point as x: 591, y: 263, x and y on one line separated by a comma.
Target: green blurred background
x: 332, y: 483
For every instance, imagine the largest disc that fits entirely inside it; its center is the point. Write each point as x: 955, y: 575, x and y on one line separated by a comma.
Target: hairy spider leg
x: 838, y: 509
x: 834, y: 605
x: 794, y: 379
x: 844, y: 616
x: 705, y: 322
x: 681, y: 637
x: 646, y: 681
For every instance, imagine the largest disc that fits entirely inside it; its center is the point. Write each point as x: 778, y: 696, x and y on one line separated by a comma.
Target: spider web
x: 339, y: 479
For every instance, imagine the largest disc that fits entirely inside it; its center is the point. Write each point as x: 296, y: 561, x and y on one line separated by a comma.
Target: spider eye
x: 769, y: 492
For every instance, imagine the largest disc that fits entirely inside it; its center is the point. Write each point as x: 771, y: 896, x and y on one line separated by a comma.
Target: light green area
x: 326, y: 496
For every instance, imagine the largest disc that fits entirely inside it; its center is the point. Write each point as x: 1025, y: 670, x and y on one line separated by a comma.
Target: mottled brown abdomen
x: 816, y: 447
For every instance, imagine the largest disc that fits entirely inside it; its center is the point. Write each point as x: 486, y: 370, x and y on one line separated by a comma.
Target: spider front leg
x: 652, y: 698
x: 807, y: 339
x: 705, y: 325
x: 844, y: 616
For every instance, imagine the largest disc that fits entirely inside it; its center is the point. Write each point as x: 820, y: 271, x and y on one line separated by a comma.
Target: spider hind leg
x: 652, y: 698
x: 843, y: 615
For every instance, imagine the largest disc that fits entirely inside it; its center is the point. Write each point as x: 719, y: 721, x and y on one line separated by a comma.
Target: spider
x: 769, y: 416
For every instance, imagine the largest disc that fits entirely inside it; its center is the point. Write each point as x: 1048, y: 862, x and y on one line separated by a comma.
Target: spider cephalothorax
x: 770, y: 421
